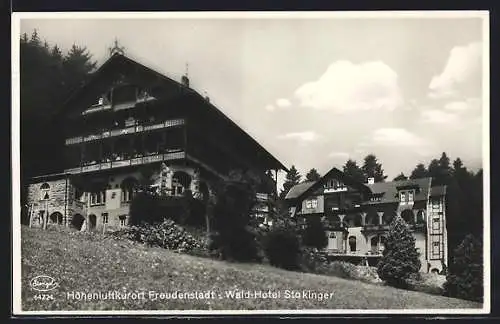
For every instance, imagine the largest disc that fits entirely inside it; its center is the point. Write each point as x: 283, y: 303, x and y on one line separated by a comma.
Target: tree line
x: 464, y: 200
x: 47, y: 77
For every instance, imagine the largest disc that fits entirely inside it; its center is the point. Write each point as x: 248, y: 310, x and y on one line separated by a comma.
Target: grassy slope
x: 93, y: 263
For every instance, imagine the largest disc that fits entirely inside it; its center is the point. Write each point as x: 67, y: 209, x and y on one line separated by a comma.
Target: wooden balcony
x: 129, y: 162
x: 124, y: 131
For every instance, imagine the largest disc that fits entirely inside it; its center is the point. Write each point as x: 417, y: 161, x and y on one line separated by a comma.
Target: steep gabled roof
x: 83, y: 97
x: 302, y: 190
x: 297, y: 190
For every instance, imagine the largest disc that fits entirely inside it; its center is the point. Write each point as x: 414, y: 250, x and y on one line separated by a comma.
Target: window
x: 98, y: 198
x: 312, y: 204
x: 123, y: 220
x: 410, y: 196
x: 127, y: 194
x: 436, y: 249
x: 435, y: 223
x: 44, y: 191
x: 402, y: 197
x: 104, y: 218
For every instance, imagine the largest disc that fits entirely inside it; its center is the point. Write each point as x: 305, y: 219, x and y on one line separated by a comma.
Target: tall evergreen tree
x: 445, y: 170
x: 419, y: 172
x: 400, y: 258
x: 44, y: 79
x: 373, y: 169
x: 352, y: 169
x: 465, y: 276
x: 400, y: 177
x: 314, y: 234
x: 313, y: 175
x: 292, y: 179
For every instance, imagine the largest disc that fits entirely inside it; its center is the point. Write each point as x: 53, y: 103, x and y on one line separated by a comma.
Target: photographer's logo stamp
x: 43, y: 283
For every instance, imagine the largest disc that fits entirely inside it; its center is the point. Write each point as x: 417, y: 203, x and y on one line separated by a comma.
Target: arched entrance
x: 92, y: 221
x: 421, y: 217
x: 77, y: 221
x: 354, y: 220
x: 408, y: 216
x: 372, y: 217
x: 56, y: 218
x: 180, y: 182
x: 352, y: 243
x: 388, y: 217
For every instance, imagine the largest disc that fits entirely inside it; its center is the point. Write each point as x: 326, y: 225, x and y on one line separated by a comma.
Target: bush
x: 314, y: 234
x: 400, y: 257
x: 234, y: 238
x: 282, y: 248
x: 145, y: 208
x: 465, y: 274
x: 430, y: 283
x: 167, y: 235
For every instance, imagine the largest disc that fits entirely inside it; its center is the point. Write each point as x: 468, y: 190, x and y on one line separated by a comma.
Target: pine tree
x: 314, y: 234
x: 292, y: 179
x: 352, y: 169
x: 419, y: 172
x: 400, y: 257
x: 400, y: 177
x: 465, y: 276
x: 313, y: 175
x: 372, y: 169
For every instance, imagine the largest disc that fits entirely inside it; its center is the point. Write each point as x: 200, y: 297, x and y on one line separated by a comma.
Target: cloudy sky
x: 317, y: 91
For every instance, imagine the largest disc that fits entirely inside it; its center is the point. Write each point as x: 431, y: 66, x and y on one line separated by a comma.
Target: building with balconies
x: 357, y: 215
x: 128, y: 121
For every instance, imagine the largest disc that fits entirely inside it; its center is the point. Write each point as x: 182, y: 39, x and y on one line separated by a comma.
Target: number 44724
x: 46, y: 297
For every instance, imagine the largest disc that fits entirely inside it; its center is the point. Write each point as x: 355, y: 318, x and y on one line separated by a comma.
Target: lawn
x: 85, y: 263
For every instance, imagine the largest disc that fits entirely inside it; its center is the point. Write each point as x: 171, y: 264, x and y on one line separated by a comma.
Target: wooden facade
x: 128, y: 118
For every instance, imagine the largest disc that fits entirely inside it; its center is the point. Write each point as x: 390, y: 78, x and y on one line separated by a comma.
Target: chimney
x: 185, y: 81
x: 371, y: 180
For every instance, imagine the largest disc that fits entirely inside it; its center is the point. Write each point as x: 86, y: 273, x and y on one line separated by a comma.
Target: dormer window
x: 402, y: 197
x: 410, y: 196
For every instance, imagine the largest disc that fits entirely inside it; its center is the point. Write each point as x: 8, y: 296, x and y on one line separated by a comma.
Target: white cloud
x: 463, y: 66
x: 307, y: 136
x: 436, y: 116
x: 346, y: 87
x: 283, y: 103
x: 395, y: 137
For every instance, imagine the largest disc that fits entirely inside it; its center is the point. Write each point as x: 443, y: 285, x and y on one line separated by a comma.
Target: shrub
x: 233, y: 238
x: 465, y: 274
x: 145, y: 208
x: 340, y: 269
x: 282, y: 248
x: 311, y: 260
x: 166, y: 234
x: 314, y: 234
x: 400, y: 257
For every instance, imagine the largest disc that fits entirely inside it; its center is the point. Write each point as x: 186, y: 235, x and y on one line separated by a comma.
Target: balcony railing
x: 124, y: 131
x: 128, y: 162
x: 376, y: 228
x: 124, y: 105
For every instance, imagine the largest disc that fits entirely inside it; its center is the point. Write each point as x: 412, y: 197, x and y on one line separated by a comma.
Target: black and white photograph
x: 190, y: 163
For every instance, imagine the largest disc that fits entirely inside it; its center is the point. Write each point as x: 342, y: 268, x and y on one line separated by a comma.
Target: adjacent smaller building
x: 357, y: 215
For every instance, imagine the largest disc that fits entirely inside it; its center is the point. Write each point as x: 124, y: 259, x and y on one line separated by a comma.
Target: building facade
x: 357, y: 215
x: 131, y: 126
